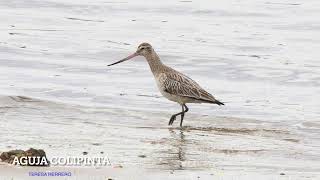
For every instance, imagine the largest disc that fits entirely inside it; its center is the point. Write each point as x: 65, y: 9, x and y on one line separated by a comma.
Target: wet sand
x: 259, y: 57
x: 139, y: 139
x: 138, y: 173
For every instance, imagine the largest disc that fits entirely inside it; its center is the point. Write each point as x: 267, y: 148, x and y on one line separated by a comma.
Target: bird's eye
x: 142, y: 48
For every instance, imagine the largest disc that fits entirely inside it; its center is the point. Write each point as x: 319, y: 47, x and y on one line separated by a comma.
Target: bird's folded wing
x: 178, y: 84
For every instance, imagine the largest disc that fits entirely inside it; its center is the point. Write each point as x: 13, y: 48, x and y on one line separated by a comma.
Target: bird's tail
x: 214, y: 101
x: 218, y: 102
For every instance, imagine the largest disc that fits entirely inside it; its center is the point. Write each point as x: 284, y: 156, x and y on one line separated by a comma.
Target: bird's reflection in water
x: 175, y: 156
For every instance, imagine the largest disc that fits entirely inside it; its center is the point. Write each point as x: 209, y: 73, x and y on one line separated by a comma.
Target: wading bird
x: 172, y: 84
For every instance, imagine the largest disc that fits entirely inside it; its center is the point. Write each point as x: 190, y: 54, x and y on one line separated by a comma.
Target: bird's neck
x: 155, y: 63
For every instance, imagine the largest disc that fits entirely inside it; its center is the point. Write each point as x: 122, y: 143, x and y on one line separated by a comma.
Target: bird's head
x: 144, y: 49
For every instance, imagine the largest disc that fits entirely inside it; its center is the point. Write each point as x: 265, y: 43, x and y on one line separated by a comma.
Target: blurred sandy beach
x: 260, y: 57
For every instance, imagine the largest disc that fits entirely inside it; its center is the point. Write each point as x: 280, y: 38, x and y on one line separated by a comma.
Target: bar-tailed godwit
x: 172, y: 84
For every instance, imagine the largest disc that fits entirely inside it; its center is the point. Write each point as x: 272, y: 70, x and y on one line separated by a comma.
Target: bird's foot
x: 172, y: 119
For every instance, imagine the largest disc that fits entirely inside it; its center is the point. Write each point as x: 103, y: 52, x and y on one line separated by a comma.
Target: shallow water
x: 260, y: 57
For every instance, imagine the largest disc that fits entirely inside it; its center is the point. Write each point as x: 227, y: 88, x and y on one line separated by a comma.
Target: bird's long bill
x: 125, y: 59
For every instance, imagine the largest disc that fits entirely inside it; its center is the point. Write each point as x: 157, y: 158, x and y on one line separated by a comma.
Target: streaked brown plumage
x: 172, y: 84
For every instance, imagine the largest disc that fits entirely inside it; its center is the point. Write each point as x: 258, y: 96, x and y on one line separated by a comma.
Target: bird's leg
x: 187, y: 109
x: 173, y: 117
x: 184, y: 111
x: 182, y: 115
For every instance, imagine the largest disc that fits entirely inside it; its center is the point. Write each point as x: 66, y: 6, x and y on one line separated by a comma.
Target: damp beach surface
x: 259, y: 57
